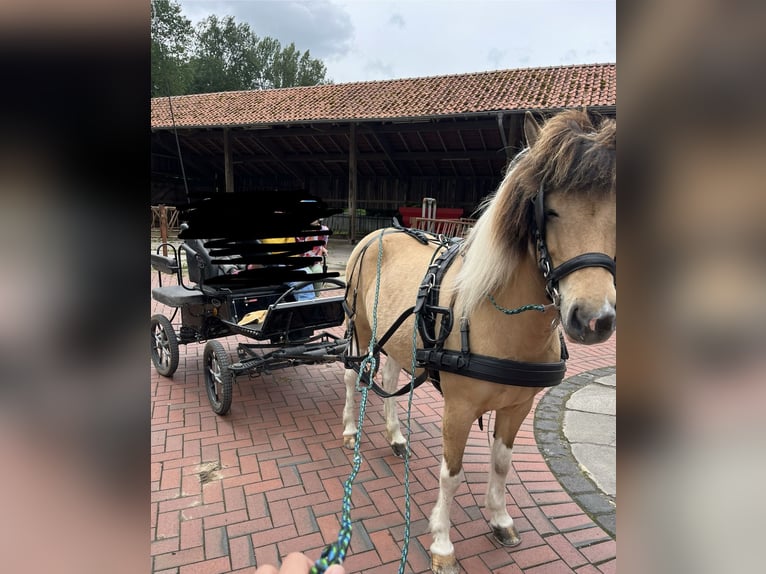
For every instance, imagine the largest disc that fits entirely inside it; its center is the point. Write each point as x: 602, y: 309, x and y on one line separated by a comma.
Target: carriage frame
x: 289, y: 332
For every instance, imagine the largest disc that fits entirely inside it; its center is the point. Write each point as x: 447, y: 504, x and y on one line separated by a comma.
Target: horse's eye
x: 549, y: 214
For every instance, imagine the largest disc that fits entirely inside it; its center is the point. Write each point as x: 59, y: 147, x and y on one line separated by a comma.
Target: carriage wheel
x: 164, y: 346
x: 218, y: 377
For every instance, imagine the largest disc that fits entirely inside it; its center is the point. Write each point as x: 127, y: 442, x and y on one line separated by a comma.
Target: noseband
x: 553, y: 275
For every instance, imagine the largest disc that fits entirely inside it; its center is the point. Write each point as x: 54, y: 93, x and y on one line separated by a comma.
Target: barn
x: 370, y: 148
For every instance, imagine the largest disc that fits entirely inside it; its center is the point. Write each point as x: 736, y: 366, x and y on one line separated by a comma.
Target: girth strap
x: 492, y: 369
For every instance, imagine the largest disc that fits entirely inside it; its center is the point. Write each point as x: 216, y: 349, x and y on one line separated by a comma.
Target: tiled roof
x: 529, y: 88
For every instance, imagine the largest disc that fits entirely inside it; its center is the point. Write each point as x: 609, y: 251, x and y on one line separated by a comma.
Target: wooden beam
x: 352, y: 183
x: 228, y: 164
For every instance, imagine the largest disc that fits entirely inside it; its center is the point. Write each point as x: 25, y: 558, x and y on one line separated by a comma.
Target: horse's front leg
x: 390, y: 377
x: 506, y: 426
x: 456, y: 425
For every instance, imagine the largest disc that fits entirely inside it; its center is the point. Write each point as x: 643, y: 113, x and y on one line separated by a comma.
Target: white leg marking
x: 349, y: 415
x: 498, y: 472
x: 439, y: 521
x: 390, y: 375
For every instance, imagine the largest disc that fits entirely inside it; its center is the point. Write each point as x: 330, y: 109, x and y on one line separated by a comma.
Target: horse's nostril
x: 605, y: 322
x: 574, y: 319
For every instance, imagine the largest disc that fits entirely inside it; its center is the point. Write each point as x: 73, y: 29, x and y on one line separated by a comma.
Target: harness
x: 433, y: 357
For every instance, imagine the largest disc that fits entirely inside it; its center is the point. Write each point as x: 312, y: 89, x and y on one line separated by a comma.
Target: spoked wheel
x: 218, y: 377
x: 164, y: 346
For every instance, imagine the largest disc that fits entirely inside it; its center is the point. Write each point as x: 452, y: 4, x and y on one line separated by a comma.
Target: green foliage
x: 222, y: 55
x: 172, y: 36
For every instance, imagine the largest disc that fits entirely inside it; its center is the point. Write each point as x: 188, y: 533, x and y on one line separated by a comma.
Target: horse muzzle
x: 588, y: 326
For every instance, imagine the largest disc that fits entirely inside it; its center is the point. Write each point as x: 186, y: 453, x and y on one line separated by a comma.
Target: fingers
x: 296, y: 563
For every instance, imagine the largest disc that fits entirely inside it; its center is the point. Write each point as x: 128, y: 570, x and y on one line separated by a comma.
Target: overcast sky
x: 376, y: 40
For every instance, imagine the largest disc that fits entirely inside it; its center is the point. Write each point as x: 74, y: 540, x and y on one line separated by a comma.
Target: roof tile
x: 529, y: 88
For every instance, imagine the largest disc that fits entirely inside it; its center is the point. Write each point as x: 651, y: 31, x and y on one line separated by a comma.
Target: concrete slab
x: 594, y: 399
x: 599, y: 462
x: 591, y: 428
x: 608, y: 380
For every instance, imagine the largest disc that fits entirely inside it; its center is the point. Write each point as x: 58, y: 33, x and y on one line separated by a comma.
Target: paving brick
x: 586, y: 536
x: 564, y: 509
x: 274, y: 535
x: 164, y: 546
x: 191, y: 533
x: 279, y: 510
x: 534, y: 556
x: 202, y: 510
x: 248, y: 527
x: 215, y: 566
x: 216, y: 543
x: 180, y: 503
x: 241, y: 552
x: 600, y: 552
x: 564, y: 548
x: 234, y: 499
x: 557, y: 567
x: 180, y: 558
x: 212, y: 492
x: 608, y: 567
x: 168, y: 525
x: 572, y: 522
x: 266, y: 554
x: 225, y: 518
x: 539, y: 521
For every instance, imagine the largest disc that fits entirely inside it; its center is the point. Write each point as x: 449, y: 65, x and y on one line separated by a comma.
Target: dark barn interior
x: 368, y: 147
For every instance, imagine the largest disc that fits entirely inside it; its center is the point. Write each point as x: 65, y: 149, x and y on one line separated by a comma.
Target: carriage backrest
x: 200, y: 265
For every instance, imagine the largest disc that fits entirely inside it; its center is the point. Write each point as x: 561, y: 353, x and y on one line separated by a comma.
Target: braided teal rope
x: 516, y: 311
x: 406, y: 541
x: 336, y: 552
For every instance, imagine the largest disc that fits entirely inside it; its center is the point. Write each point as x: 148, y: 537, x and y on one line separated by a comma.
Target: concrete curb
x: 549, y: 433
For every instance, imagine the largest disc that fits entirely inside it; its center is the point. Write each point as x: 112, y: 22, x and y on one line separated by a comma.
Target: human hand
x: 297, y: 563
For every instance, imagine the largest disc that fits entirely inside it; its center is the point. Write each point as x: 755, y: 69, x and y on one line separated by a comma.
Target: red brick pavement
x: 282, y: 470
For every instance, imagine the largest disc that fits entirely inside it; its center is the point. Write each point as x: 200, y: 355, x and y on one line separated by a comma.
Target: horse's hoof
x: 506, y: 536
x: 399, y: 449
x: 349, y: 442
x: 444, y: 564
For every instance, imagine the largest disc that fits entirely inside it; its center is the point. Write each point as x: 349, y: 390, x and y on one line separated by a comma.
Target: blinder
x: 552, y: 274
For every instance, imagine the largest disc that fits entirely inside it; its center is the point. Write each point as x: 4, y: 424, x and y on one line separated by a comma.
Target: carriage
x: 242, y: 282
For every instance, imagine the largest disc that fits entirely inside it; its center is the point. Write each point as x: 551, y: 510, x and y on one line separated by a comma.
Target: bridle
x: 553, y: 275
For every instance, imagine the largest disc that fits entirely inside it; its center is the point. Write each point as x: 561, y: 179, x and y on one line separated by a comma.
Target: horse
x: 547, y: 238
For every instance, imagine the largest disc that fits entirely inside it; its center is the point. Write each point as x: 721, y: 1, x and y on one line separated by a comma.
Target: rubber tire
x: 216, y: 363
x: 164, y: 342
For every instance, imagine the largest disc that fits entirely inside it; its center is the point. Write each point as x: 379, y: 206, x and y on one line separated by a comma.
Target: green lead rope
x: 516, y: 311
x: 336, y: 552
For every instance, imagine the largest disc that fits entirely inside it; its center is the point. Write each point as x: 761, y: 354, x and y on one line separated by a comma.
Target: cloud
x: 397, y: 19
x: 376, y: 69
x: 321, y: 26
x: 496, y: 56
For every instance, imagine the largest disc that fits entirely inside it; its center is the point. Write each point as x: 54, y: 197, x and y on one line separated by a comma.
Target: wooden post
x: 164, y: 229
x: 228, y: 166
x: 352, y: 184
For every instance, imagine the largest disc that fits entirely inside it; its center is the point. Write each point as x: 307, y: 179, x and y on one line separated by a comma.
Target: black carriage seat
x: 199, y: 263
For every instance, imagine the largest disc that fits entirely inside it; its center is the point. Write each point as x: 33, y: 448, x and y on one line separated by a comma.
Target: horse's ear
x: 531, y: 128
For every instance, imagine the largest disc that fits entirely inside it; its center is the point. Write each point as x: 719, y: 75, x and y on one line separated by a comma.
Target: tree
x: 222, y: 55
x: 172, y: 36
